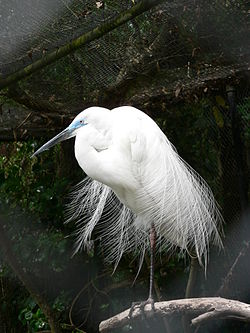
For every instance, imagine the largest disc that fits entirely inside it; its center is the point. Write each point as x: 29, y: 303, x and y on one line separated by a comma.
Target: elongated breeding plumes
x: 169, y: 193
x: 94, y: 206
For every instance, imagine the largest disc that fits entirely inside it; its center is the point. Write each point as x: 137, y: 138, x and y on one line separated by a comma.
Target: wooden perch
x: 203, y: 309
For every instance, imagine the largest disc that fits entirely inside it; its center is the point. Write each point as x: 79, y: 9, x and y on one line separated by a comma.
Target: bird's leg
x: 150, y: 300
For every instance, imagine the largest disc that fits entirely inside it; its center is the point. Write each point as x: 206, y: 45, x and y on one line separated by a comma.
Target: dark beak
x: 64, y: 135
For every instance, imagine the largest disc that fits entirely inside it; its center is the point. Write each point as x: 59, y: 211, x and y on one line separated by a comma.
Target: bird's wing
x: 137, y: 137
x: 138, y: 143
x: 144, y: 141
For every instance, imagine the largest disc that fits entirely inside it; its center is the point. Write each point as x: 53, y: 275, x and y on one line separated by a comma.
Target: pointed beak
x: 66, y: 134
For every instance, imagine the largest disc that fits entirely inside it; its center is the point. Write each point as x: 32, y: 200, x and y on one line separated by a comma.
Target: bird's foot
x: 141, y: 306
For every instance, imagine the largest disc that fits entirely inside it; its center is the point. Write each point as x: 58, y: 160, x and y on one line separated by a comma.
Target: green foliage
x: 60, y: 301
x: 31, y: 183
x: 32, y: 317
x: 244, y: 110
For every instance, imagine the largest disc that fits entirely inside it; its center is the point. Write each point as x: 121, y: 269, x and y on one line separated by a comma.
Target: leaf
x: 218, y: 117
x: 220, y: 101
x: 104, y: 306
x: 28, y: 315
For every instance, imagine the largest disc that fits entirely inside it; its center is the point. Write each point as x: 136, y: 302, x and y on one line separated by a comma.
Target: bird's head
x: 92, y: 115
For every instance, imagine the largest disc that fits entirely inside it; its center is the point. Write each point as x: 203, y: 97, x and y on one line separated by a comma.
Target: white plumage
x: 127, y: 157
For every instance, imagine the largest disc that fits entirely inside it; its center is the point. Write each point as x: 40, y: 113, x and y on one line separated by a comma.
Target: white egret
x: 127, y: 156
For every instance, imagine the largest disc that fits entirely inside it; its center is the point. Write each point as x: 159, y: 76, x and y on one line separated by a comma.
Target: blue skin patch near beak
x: 77, y: 124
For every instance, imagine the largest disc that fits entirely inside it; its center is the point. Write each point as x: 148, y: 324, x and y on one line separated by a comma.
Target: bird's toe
x: 141, y: 306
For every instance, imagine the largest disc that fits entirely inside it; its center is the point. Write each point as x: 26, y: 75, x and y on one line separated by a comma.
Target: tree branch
x: 75, y: 44
x: 203, y: 309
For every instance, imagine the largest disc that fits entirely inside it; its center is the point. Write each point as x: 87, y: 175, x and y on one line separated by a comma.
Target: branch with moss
x: 75, y: 44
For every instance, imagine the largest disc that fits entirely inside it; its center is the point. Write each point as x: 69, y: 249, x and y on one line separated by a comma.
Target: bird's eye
x: 81, y: 121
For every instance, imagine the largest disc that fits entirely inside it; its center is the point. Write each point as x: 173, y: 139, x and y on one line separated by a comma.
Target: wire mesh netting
x: 188, y: 41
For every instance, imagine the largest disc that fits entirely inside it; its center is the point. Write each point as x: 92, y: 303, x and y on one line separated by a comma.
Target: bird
x: 139, y: 194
